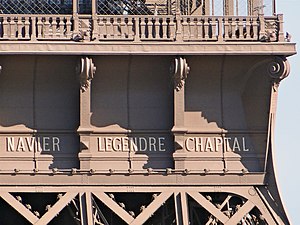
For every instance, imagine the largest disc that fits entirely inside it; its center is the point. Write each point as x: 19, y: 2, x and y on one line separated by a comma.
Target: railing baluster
x: 27, y: 27
x: 237, y: 29
x: 13, y: 28
x: 53, y: 27
x: 5, y: 27
x: 192, y: 28
x: 46, y: 27
x: 280, y: 28
x: 40, y: 27
x: 255, y: 28
x: 130, y: 28
x: 157, y: 25
x: 115, y: 30
x: 213, y: 29
x: 33, y: 27
x: 196, y: 28
x: 110, y: 30
x: 19, y: 23
x: 101, y: 27
x: 206, y: 28
x: 226, y: 29
x: 164, y: 25
x: 143, y: 28
x: 172, y: 28
x: 262, y: 32
x: 61, y: 27
x: 246, y: 30
x: 56, y: 27
x: 185, y: 29
x: 149, y: 27
x: 9, y: 28
x: 220, y: 29
x: 200, y: 28
x: 68, y: 27
x: 123, y: 28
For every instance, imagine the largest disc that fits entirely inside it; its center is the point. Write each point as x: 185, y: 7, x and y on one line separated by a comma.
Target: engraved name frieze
x: 32, y: 144
x: 216, y: 144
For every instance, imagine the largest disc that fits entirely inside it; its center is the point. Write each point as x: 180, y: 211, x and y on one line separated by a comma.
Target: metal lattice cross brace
x: 48, y: 216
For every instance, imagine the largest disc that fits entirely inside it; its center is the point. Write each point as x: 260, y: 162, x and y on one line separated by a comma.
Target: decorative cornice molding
x: 180, y: 70
x: 86, y: 70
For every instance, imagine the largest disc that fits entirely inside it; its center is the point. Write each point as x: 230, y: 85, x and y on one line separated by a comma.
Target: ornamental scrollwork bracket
x: 278, y: 69
x: 86, y: 70
x: 179, y: 70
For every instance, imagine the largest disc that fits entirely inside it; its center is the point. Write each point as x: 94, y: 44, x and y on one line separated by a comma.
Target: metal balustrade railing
x: 35, y: 27
x: 212, y: 28
x: 142, y: 28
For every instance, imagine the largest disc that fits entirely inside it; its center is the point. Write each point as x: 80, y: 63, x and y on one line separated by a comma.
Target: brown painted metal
x: 138, y: 119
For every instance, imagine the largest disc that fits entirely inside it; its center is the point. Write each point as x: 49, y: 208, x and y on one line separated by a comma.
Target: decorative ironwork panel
x: 136, y: 7
x: 36, y: 6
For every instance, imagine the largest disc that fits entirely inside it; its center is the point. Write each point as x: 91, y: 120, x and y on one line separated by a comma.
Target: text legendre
x: 133, y: 144
x: 216, y: 144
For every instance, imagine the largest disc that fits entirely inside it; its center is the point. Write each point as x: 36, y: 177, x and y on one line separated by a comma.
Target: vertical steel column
x: 257, y: 7
x: 207, y: 7
x: 75, y: 16
x: 94, y: 7
x: 83, y: 209
x: 184, y: 207
x: 86, y: 210
x: 250, y: 7
x: 274, y: 7
x: 229, y: 7
x: 178, y: 22
x: 89, y: 208
x: 94, y: 21
x: 181, y: 71
x: 86, y: 73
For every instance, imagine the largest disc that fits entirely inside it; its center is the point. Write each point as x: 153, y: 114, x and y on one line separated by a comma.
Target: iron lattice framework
x: 140, y: 7
x: 163, y: 206
x: 136, y: 7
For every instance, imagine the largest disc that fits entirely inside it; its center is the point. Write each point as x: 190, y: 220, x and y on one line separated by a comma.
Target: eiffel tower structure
x: 140, y: 112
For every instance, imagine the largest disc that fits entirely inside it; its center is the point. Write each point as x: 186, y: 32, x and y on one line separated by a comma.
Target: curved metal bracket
x: 278, y: 69
x: 180, y: 70
x: 86, y: 70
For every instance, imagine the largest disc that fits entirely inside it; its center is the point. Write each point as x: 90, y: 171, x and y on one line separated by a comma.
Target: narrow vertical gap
x: 34, y: 111
x: 128, y: 106
x: 222, y: 109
